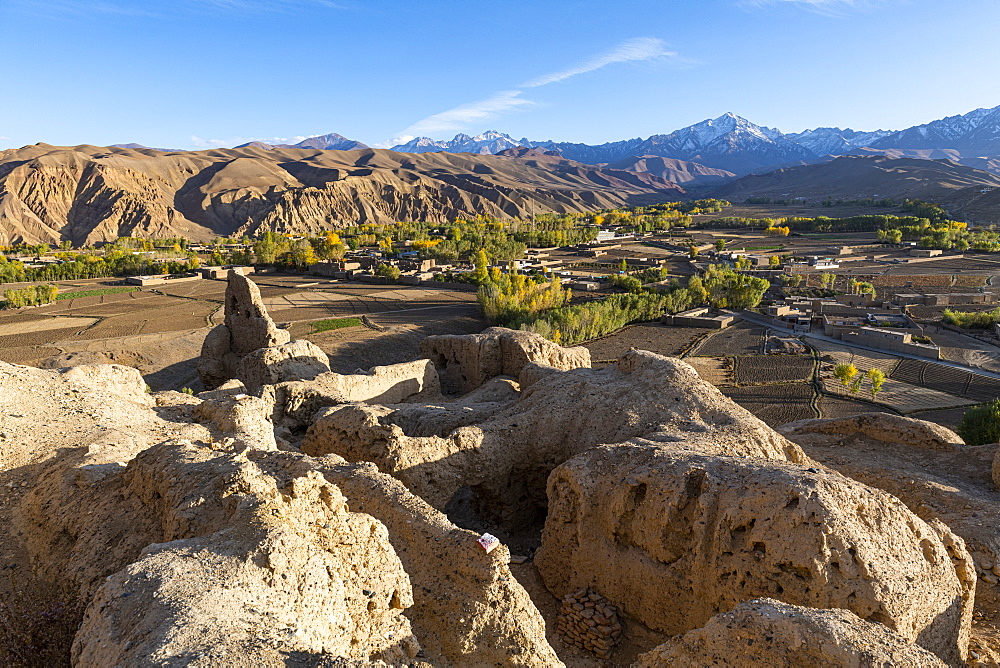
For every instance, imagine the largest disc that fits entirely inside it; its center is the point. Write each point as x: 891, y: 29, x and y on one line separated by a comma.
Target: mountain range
x: 87, y: 194
x: 734, y: 144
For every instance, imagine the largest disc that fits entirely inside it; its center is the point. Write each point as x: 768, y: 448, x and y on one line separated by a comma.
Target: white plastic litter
x: 488, y: 542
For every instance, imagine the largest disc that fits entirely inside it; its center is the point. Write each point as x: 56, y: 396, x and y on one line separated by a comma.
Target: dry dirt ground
x: 160, y: 330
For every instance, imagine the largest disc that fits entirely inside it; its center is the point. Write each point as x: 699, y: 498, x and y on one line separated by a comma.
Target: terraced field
x: 775, y: 404
x: 652, y: 336
x: 772, y: 369
x: 743, y: 338
x: 972, y: 386
x: 835, y: 407
x: 715, y: 370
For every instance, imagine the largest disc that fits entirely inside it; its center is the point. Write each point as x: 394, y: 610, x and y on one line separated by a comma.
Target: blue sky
x: 205, y: 73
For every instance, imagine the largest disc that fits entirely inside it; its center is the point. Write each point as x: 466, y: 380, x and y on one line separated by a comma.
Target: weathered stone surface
x: 245, y: 564
x: 712, y: 531
x: 507, y: 457
x: 467, y: 607
x: 766, y: 632
x: 295, y: 360
x: 881, y: 427
x: 245, y: 418
x: 467, y: 361
x: 250, y: 327
x: 247, y: 328
x: 114, y: 380
x: 298, y: 401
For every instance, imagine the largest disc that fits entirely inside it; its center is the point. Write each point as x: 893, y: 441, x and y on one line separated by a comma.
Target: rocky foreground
x: 295, y: 516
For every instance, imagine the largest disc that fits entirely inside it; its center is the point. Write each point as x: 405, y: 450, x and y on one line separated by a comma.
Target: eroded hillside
x: 88, y: 194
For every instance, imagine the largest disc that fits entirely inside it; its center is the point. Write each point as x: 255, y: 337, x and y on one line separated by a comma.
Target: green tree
x: 981, y: 424
x: 720, y: 245
x: 693, y: 251
x: 697, y: 292
x: 266, y: 248
x: 302, y: 254
x: 827, y: 280
x: 845, y: 372
x: 623, y: 266
x: 388, y: 271
x: 774, y: 262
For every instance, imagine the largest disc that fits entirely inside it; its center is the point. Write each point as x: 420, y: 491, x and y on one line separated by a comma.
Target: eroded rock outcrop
x: 247, y: 328
x: 465, y: 362
x: 881, y: 427
x: 223, y: 548
x: 766, y: 632
x: 295, y: 360
x: 507, y: 457
x: 298, y: 401
x: 467, y: 607
x: 246, y: 564
x: 712, y: 531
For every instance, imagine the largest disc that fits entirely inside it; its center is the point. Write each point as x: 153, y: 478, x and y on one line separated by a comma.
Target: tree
x: 622, y: 266
x: 981, y: 424
x: 743, y: 262
x: 720, y: 245
x: 693, y: 251
x: 774, y: 262
x: 302, y: 254
x: 482, y: 263
x: 877, y: 378
x: 827, y: 280
x: 696, y: 291
x: 388, y: 271
x: 845, y: 372
x: 266, y: 248
x: 865, y: 288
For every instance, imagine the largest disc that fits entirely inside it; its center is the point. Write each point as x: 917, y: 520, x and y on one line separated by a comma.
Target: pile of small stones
x: 587, y: 620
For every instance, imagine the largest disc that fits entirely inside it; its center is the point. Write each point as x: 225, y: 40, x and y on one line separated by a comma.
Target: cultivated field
x: 775, y: 404
x: 159, y: 330
x: 715, y: 370
x: 972, y: 386
x: 743, y: 338
x: 652, y: 336
x: 835, y: 407
x: 761, y: 369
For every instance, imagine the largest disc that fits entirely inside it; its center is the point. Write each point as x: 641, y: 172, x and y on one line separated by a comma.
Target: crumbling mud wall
x: 467, y: 361
x: 766, y: 632
x: 507, y: 457
x: 711, y: 531
x: 247, y: 328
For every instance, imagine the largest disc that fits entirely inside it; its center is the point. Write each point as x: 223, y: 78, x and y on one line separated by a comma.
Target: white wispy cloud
x: 208, y: 143
x: 460, y: 117
x: 236, y: 141
x: 640, y: 48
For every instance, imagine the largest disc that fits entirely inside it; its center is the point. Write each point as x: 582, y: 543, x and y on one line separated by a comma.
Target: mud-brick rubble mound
x: 295, y: 516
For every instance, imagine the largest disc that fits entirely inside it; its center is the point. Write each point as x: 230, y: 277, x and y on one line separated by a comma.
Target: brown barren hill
x: 853, y: 177
x: 88, y: 194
